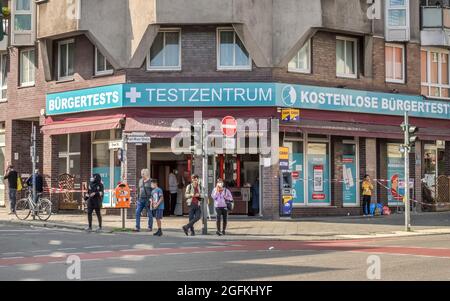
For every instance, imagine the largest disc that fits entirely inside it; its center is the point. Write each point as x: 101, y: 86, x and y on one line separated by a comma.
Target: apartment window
x: 69, y: 154
x: 302, y: 60
x: 3, y: 76
x: 23, y: 15
x: 165, y: 53
x: 435, y: 73
x: 231, y: 53
x: 66, y: 59
x: 395, y: 63
x: 102, y: 66
x: 27, y: 67
x: 346, y: 57
x: 398, y: 11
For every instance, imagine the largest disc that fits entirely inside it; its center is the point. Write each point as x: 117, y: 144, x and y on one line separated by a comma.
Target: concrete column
x: 371, y: 163
x: 337, y: 173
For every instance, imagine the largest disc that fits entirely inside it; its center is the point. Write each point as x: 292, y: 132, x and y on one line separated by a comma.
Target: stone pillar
x: 336, y: 172
x: 50, y: 167
x: 371, y: 163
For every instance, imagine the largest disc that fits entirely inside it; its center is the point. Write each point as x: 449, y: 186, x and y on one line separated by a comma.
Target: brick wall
x: 324, y: 68
x: 447, y: 158
x: 199, y: 62
x: 336, y: 171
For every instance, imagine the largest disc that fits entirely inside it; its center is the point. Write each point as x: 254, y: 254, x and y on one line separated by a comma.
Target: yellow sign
x: 284, y: 153
x: 290, y: 114
x: 287, y: 198
x: 123, y: 195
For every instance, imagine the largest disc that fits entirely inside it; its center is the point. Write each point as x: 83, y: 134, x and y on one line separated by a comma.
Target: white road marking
x: 10, y: 258
x: 94, y: 247
x: 66, y: 249
x: 12, y: 253
x: 200, y: 269
x: 100, y: 252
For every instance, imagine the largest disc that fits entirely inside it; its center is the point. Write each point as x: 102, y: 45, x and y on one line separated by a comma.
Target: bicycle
x: 26, y: 206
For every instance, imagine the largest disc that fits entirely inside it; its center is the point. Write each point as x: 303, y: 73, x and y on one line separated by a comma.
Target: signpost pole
x: 204, y: 178
x: 33, y: 160
x: 123, y: 173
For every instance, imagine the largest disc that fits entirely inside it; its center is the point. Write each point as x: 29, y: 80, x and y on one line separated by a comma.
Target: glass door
x: 318, y: 174
x: 106, y: 163
x: 350, y: 174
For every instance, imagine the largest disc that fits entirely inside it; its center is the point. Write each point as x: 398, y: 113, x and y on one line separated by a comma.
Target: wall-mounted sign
x: 290, y: 114
x: 284, y: 158
x: 115, y: 144
x: 139, y: 139
x: 254, y: 94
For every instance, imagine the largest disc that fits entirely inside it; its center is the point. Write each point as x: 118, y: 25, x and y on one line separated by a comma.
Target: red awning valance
x: 81, y: 124
x: 155, y: 127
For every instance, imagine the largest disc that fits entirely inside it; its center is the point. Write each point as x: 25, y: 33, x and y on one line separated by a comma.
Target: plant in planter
x: 6, y: 12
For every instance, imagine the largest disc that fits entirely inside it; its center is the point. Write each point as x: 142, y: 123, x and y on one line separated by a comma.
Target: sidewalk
x: 348, y: 227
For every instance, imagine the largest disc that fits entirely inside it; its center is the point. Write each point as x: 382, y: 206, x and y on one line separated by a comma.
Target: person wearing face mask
x: 221, y: 197
x: 94, y: 199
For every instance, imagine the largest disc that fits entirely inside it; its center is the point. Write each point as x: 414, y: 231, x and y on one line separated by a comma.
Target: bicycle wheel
x: 44, y: 209
x: 23, y: 209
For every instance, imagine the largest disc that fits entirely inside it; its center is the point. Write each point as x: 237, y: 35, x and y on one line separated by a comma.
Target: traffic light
x: 412, y: 133
x: 2, y: 29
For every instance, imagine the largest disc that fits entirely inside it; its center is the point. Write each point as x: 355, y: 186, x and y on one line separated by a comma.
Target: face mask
x: 92, y: 179
x: 175, y: 172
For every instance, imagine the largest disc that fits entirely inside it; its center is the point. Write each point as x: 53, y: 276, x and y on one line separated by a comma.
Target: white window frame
x: 439, y: 85
x: 32, y: 68
x: 3, y: 63
x: 355, y: 58
x: 166, y: 68
x: 60, y: 43
x: 247, y: 67
x: 300, y: 70
x: 393, y: 80
x: 23, y: 12
x: 405, y: 7
x: 101, y: 72
x: 68, y: 154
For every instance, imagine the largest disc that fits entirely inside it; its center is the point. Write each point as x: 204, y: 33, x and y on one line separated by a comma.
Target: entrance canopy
x: 81, y: 124
x: 156, y: 128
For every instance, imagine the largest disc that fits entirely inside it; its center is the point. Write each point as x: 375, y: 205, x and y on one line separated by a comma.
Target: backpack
x: 19, y: 184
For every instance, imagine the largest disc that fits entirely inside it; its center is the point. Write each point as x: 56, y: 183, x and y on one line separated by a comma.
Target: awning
x: 155, y: 127
x: 81, y: 124
x: 362, y: 130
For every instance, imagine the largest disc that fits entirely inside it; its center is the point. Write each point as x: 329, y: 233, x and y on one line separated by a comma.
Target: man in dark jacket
x: 94, y: 199
x: 11, y: 175
x: 37, y: 180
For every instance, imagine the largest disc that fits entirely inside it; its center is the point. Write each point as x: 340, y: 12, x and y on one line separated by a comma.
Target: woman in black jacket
x: 94, y: 199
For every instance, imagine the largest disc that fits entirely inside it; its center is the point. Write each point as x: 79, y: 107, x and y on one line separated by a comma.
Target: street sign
x: 229, y: 143
x: 139, y: 139
x: 229, y: 126
x: 115, y: 144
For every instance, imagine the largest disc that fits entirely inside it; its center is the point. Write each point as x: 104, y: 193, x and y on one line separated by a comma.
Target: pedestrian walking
x: 38, y: 181
x: 143, y: 200
x: 367, y: 188
x: 94, y: 199
x: 11, y: 175
x: 194, y: 197
x: 222, y: 203
x: 173, y: 189
x: 157, y: 205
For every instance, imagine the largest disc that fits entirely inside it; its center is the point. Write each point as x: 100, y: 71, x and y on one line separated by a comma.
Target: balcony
x: 435, y: 26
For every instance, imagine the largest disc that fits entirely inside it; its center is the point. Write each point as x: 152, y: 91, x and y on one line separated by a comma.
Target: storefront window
x: 395, y: 174
x: 69, y: 154
x: 318, y: 173
x: 296, y: 170
x: 349, y: 175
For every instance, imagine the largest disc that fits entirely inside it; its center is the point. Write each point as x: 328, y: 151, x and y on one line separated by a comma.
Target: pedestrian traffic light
x: 2, y: 29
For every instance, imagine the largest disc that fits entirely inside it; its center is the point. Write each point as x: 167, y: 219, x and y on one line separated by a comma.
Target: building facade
x: 88, y: 73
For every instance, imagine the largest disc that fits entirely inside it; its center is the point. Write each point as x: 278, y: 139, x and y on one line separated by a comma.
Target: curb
x: 311, y: 236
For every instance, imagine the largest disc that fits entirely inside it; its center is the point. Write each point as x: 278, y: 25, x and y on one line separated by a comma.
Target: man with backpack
x: 194, y: 197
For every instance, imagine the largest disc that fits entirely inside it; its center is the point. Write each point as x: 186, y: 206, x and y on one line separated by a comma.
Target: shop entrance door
x: 318, y: 173
x: 106, y: 163
x: 2, y: 168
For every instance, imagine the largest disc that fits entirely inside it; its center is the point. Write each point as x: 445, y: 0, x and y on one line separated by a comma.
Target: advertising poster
x: 395, y: 175
x: 284, y: 158
x: 297, y: 178
x: 318, y: 183
x: 349, y: 185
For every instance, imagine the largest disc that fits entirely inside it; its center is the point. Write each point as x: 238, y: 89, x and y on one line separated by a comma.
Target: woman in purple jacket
x: 221, y: 196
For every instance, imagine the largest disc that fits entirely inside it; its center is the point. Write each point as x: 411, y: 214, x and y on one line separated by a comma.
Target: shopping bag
x: 19, y: 184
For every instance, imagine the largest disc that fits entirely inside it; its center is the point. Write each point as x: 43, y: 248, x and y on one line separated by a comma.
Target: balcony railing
x: 435, y: 17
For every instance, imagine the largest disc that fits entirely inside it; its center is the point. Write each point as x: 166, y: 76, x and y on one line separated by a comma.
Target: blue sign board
x: 243, y: 95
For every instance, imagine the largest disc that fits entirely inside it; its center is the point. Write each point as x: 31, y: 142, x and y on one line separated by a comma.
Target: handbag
x: 230, y: 205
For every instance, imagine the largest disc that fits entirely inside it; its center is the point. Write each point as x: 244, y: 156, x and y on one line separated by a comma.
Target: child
x: 157, y: 205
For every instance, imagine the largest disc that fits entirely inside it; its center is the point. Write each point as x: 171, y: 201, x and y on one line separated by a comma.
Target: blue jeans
x: 12, y: 199
x: 140, y: 205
